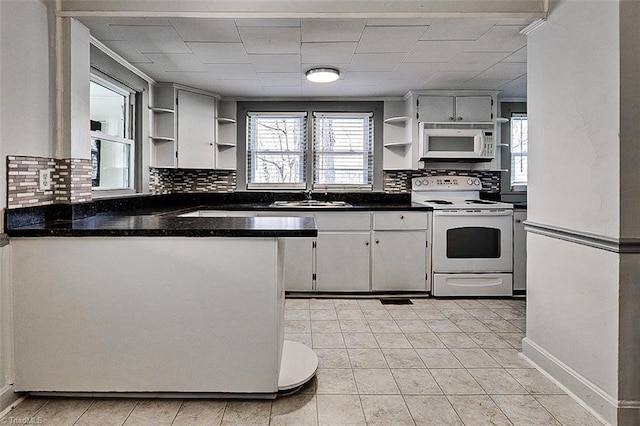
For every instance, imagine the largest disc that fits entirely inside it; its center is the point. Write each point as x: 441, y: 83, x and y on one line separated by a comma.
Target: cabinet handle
x: 451, y: 119
x: 402, y: 217
x: 459, y: 118
x: 377, y: 241
x: 210, y: 144
x: 367, y: 243
x: 518, y: 221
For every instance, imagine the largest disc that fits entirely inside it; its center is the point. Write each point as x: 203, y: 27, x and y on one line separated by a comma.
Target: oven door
x: 472, y: 241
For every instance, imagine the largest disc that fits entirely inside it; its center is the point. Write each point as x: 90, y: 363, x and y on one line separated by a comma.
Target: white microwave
x: 460, y: 141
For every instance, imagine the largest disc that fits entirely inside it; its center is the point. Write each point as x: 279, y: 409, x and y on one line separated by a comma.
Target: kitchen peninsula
x: 155, y: 304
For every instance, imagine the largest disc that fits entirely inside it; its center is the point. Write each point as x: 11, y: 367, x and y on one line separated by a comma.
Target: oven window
x: 452, y: 143
x: 473, y: 243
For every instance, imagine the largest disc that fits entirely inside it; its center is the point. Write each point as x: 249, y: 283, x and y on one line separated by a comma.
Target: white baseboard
x: 604, y: 406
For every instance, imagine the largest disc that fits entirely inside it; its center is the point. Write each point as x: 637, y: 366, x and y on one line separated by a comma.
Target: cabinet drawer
x: 343, y: 221
x: 400, y: 220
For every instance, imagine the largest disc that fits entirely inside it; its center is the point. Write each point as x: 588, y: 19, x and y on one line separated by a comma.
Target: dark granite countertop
x: 171, y: 226
x: 157, y: 216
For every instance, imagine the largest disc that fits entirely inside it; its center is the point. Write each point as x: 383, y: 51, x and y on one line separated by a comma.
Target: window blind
x: 276, y: 149
x: 342, y: 150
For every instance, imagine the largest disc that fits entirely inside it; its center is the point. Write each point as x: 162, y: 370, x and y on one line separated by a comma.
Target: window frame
x: 347, y: 107
x: 517, y: 186
x: 130, y: 116
x: 507, y: 107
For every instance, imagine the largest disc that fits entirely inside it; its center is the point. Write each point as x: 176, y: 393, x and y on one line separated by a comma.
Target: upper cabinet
x: 186, y: 130
x: 436, y: 109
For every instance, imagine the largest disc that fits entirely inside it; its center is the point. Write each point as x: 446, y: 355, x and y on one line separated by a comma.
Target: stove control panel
x: 456, y: 183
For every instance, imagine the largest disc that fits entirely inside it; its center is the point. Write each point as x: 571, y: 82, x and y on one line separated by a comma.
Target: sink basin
x: 310, y: 203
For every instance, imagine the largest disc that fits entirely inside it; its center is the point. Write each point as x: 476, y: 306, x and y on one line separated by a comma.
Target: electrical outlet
x: 44, y: 179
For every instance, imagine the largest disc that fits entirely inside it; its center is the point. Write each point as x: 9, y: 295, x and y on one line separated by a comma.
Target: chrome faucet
x: 307, y: 194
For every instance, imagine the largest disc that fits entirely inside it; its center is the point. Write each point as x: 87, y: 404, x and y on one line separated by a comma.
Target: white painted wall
x: 573, y: 86
x: 25, y: 108
x: 583, y: 113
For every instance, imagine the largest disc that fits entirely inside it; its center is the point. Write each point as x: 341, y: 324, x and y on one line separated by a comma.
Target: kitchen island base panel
x: 299, y: 365
x: 148, y: 314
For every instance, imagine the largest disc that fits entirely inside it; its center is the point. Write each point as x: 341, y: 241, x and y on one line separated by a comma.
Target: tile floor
x: 435, y: 362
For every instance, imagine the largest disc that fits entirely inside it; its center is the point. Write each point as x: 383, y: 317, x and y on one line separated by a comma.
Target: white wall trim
x: 9, y: 399
x: 616, y: 245
x: 119, y: 59
x: 602, y: 405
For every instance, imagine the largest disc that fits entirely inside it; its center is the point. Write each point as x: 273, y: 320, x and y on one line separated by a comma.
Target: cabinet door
x: 298, y: 264
x: 473, y: 108
x: 435, y: 108
x: 342, y: 261
x: 399, y: 260
x: 196, y: 115
x: 519, y: 251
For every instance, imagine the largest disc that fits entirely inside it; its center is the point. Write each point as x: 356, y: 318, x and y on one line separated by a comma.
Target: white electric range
x: 472, y: 241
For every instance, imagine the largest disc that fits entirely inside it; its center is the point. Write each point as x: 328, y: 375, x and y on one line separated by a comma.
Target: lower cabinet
x: 399, y: 260
x: 342, y: 261
x: 299, y: 263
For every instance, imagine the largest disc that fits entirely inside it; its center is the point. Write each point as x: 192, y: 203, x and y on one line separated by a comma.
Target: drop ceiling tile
x: 100, y: 29
x: 268, y: 22
x: 219, y: 53
x: 518, y: 56
x: 336, y: 89
x: 448, y: 79
x: 270, y: 40
x: 475, y: 61
x: 242, y: 87
x: 389, y: 39
x: 280, y: 78
x: 328, y: 53
x: 500, y: 39
x: 364, y: 78
x: 153, y: 38
x: 127, y: 51
x: 385, y: 22
x: 484, y: 84
x: 504, y: 71
x: 515, y: 88
x: 204, y: 29
x: 201, y: 80
x: 417, y: 70
x: 276, y: 63
x: 514, y: 21
x: 137, y: 21
x: 187, y: 62
x: 282, y: 91
x: 436, y: 51
x: 332, y: 30
x: 225, y: 72
x: 399, y: 87
x: 457, y: 29
x: 375, y: 61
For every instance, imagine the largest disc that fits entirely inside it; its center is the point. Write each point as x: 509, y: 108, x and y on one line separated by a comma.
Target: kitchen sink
x: 310, y: 203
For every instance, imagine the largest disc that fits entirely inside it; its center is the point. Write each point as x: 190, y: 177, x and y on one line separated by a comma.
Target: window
x: 112, y: 146
x: 282, y: 154
x: 519, y: 149
x: 342, y: 150
x: 276, y: 150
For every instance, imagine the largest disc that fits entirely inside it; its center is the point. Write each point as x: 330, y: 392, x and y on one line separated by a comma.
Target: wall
x: 25, y: 129
x: 582, y: 290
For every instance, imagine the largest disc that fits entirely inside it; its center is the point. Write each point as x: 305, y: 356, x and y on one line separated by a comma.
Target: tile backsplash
x: 399, y: 181
x: 170, y: 181
x: 70, y: 181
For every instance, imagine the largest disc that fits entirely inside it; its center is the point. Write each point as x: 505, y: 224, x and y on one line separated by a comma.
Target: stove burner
x: 479, y: 202
x: 438, y: 201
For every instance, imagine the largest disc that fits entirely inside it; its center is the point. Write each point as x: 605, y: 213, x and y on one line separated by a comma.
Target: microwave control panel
x: 488, y: 147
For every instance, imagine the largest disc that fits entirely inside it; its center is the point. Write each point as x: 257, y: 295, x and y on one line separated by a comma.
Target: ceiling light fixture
x: 322, y: 75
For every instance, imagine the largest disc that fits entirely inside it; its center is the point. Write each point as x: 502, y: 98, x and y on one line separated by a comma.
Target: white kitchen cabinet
x: 299, y: 262
x: 196, y: 129
x: 455, y: 108
x: 397, y: 139
x: 519, y: 251
x: 226, y: 134
x: 400, y: 251
x: 343, y: 252
x: 184, y: 131
x: 342, y: 261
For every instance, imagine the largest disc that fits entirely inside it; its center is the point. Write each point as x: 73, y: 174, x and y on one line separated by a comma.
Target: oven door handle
x: 476, y: 213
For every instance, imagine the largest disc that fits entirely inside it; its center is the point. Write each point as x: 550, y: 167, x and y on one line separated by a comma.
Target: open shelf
x: 224, y: 120
x: 224, y: 145
x: 162, y: 138
x: 401, y: 119
x: 395, y: 145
